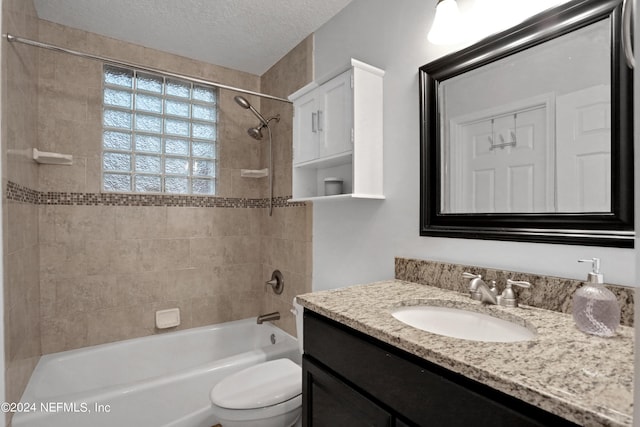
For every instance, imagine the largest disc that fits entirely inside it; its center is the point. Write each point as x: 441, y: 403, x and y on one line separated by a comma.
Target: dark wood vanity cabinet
x: 351, y: 379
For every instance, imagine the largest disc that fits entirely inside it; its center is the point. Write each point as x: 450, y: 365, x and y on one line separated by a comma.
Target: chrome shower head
x: 242, y: 101
x: 256, y: 132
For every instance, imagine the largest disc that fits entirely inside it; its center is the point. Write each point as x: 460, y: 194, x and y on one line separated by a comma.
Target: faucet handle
x: 521, y: 283
x: 467, y: 275
x: 508, y: 297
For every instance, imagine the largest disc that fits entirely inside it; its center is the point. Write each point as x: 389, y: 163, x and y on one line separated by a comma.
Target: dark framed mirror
x: 527, y: 135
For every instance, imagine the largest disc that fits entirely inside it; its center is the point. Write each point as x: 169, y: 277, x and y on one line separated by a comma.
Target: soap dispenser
x: 595, y: 308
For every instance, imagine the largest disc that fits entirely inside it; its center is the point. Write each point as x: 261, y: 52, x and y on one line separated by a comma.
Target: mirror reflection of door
x: 502, y: 160
x: 499, y: 176
x: 490, y: 175
x: 584, y: 151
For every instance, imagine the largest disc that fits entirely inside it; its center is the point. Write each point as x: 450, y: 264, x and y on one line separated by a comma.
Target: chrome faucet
x: 269, y: 316
x: 480, y: 291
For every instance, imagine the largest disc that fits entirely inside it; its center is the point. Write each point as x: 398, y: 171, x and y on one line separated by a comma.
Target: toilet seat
x: 290, y: 409
x: 259, y: 386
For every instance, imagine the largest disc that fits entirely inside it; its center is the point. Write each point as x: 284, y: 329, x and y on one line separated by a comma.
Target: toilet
x: 268, y: 394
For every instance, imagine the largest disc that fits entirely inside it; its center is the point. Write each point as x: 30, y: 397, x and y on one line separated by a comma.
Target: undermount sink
x: 461, y: 323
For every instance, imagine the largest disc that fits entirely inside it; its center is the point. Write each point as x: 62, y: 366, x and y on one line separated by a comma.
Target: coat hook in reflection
x: 502, y: 143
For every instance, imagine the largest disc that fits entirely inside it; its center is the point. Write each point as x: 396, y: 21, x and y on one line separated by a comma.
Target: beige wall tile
x: 64, y: 178
x: 295, y: 224
x: 211, y: 310
x: 17, y: 376
x: 62, y: 35
x: 162, y: 254
x: 86, y: 293
x: 275, y: 224
x: 137, y: 289
x: 46, y: 224
x: 114, y: 257
x: 240, y: 250
x: 232, y: 222
x: 112, y: 324
x: 252, y: 188
x: 191, y: 283
x: 191, y: 222
x: 64, y: 331
x: 140, y: 222
x: 80, y: 222
x: 206, y: 252
x: 66, y: 102
x: 93, y: 174
x: 64, y: 258
x: 48, y: 295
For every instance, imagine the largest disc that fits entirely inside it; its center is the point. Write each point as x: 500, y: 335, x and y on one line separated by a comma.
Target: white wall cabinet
x: 337, y: 132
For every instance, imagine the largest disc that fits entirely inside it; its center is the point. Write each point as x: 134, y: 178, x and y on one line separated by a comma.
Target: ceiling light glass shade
x: 447, y: 25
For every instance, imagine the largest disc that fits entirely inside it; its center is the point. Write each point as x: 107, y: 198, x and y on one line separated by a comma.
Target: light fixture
x: 447, y: 25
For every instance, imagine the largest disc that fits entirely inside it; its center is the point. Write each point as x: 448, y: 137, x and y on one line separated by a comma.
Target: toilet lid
x: 264, y: 384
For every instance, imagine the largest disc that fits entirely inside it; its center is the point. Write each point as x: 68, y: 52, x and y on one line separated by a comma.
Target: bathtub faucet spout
x: 269, y: 316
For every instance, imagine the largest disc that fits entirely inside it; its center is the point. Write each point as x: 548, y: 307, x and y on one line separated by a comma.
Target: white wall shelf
x: 337, y: 197
x: 337, y: 132
x: 48, y: 158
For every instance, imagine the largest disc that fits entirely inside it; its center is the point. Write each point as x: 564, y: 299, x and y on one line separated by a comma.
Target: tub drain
x: 273, y: 338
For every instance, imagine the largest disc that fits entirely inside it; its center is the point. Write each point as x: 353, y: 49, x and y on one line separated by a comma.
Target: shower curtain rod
x: 15, y: 39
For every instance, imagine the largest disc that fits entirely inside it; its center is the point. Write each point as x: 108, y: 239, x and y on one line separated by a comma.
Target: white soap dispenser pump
x: 595, y: 308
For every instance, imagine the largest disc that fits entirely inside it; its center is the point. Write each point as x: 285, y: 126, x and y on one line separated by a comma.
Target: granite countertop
x: 583, y: 378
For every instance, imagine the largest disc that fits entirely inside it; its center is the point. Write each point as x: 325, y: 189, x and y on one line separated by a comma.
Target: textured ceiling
x: 246, y: 35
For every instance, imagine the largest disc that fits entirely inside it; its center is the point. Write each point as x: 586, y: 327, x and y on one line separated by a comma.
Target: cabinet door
x: 328, y: 402
x: 335, y: 119
x: 306, y: 136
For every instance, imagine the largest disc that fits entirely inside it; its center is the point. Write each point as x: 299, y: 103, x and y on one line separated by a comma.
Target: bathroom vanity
x: 362, y: 366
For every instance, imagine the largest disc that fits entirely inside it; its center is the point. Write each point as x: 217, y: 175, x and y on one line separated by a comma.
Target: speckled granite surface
x: 550, y: 293
x: 583, y: 378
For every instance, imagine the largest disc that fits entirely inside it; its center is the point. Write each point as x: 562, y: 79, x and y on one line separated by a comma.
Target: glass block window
x: 159, y: 134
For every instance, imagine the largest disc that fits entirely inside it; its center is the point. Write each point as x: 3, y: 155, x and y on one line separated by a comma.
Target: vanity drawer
x: 414, y: 389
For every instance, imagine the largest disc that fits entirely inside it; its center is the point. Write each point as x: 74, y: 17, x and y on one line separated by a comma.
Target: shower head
x: 242, y: 101
x: 256, y: 132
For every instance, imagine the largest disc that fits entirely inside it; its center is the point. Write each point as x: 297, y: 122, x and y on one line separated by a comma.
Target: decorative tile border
x: 23, y: 194
x: 18, y: 193
x: 550, y: 293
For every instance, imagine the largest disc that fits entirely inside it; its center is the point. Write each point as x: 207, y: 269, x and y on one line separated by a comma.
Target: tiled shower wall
x: 20, y: 220
x: 105, y: 270
x: 286, y: 236
x: 94, y: 268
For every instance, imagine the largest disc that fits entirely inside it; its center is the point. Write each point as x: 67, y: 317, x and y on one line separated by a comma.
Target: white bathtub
x: 156, y: 381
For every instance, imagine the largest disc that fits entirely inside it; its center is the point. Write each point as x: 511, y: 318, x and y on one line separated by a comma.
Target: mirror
x: 527, y: 135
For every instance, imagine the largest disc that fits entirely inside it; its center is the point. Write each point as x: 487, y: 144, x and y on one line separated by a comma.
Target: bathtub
x: 156, y: 381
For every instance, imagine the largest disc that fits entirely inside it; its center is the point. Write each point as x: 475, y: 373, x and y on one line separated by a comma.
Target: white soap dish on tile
x: 254, y: 173
x: 47, y: 158
x: 167, y: 318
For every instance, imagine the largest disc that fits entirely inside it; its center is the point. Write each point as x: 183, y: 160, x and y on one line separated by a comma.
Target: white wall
x: 355, y: 241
